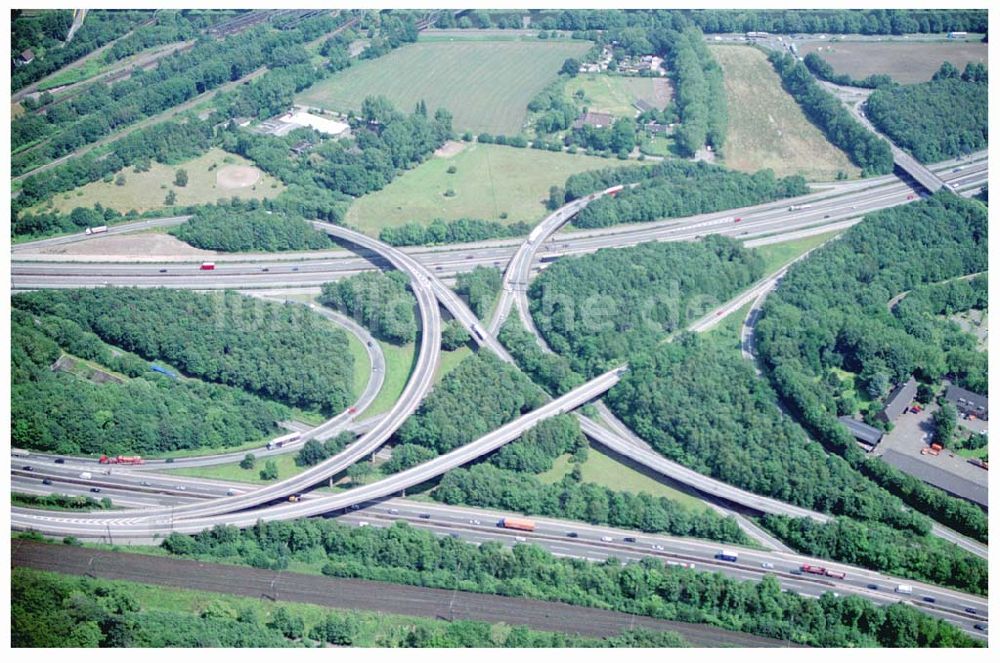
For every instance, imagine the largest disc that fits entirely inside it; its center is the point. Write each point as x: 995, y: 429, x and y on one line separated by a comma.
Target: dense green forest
x: 55, y: 610
x: 673, y: 189
x: 874, y: 545
x: 830, y: 312
x: 702, y: 405
x: 478, y: 396
x: 487, y: 486
x: 822, y: 70
x: 480, y: 287
x: 247, y: 226
x: 144, y: 412
x: 699, y: 93
x: 597, y: 309
x: 43, y: 33
x: 417, y: 557
x: 866, y: 150
x: 937, y: 120
x: 285, y: 353
x: 380, y: 301
x: 100, y: 109
x: 456, y: 231
x: 550, y: 371
x: 57, y: 502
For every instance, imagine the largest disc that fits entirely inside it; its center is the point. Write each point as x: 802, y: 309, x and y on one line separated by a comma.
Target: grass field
x: 767, y: 128
x: 776, y: 255
x: 608, y: 472
x: 233, y: 472
x: 489, y: 180
x: 616, y: 94
x: 486, y: 85
x: 399, y: 360
x: 146, y: 191
x: 906, y: 62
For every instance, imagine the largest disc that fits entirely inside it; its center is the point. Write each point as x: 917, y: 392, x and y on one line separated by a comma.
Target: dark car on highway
x: 47, y: 482
x: 60, y: 461
x: 572, y: 535
x: 27, y: 468
x: 95, y: 490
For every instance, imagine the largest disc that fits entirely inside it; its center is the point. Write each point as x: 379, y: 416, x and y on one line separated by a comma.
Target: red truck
x: 815, y: 570
x: 613, y: 191
x: 207, y: 266
x: 522, y: 524
x: 121, y: 460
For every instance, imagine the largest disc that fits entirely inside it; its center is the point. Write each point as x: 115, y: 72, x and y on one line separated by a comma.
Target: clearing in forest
x: 767, y: 128
x: 486, y: 85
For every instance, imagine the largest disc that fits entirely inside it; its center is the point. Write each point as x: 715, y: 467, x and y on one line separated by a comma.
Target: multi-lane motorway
x: 817, y: 212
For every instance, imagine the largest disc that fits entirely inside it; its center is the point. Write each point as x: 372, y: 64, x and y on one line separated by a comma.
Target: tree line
x: 456, y: 231
x: 241, y: 226
x: 102, y: 109
x: 598, y: 309
x: 866, y: 150
x: 675, y: 189
x: 55, y: 610
x: 822, y: 70
x: 44, y: 34
x: 480, y: 288
x: 280, y: 352
x: 407, y: 555
x: 699, y: 93
x: 549, y: 370
x: 937, y: 120
x: 143, y: 413
x: 830, y: 312
x: 381, y: 301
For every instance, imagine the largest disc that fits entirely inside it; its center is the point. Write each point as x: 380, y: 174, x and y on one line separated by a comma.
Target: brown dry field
x: 907, y: 62
x: 134, y: 246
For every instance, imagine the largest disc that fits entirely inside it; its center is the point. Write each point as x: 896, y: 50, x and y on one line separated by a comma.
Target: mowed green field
x: 767, y: 128
x: 616, y: 95
x: 486, y: 85
x: 489, y: 180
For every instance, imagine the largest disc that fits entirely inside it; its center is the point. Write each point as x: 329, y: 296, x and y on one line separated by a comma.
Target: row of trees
x: 51, y: 610
x: 455, y: 231
x: 550, y: 371
x: 866, y: 150
x: 381, y: 301
x: 44, y: 33
x: 281, y: 352
x: 248, y: 227
x: 877, y: 546
x: 822, y: 70
x: 403, y: 554
x: 937, y: 120
x: 830, y: 312
x: 598, y: 309
x: 677, y: 188
x: 59, y: 412
x: 101, y: 109
x: 699, y: 93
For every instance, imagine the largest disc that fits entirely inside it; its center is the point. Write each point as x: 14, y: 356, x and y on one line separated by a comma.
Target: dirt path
x: 360, y: 594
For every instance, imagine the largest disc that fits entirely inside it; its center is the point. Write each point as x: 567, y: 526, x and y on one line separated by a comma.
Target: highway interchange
x: 836, y: 207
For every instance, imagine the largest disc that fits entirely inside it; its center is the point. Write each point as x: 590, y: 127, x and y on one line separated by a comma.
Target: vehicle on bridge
x: 96, y: 230
x: 279, y: 442
x: 121, y: 460
x: 613, y: 191
x: 522, y: 524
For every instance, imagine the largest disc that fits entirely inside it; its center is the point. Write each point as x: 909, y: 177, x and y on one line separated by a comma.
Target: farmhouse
x: 899, y: 399
x: 862, y: 432
x: 968, y: 402
x: 26, y: 57
x: 593, y: 119
x: 657, y: 128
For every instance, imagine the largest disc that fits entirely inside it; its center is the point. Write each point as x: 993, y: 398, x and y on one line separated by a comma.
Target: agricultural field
x: 215, y: 174
x: 489, y: 180
x: 767, y: 128
x: 485, y: 84
x: 906, y: 62
x: 617, y: 94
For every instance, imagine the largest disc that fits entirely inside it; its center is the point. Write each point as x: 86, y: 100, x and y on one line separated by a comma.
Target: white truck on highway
x: 904, y: 589
x: 96, y: 230
x: 85, y: 475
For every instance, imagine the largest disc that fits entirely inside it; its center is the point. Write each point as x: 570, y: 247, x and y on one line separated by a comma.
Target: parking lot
x: 913, y: 432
